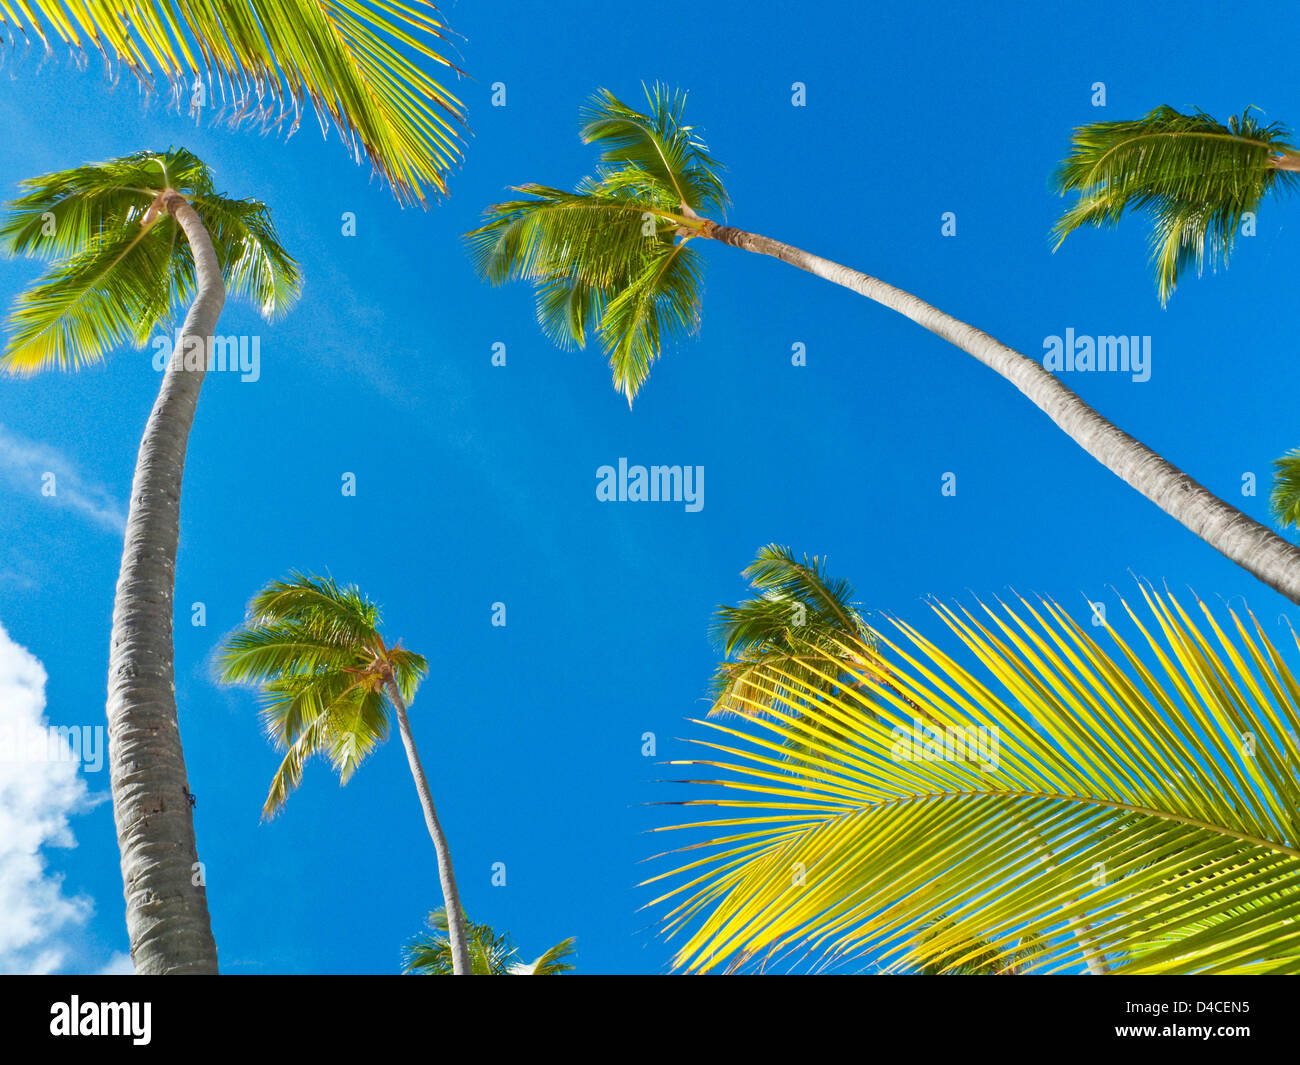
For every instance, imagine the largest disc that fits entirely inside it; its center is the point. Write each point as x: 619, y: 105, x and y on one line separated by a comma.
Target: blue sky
x: 476, y: 483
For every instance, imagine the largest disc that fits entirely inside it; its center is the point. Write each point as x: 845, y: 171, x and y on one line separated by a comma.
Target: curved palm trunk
x: 166, y: 911
x: 1240, y: 538
x: 456, y: 926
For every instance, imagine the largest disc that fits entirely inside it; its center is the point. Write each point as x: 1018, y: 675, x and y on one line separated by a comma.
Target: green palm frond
x: 313, y: 649
x: 119, y: 271
x: 361, y: 64
x: 1285, y: 501
x: 1144, y: 800
x: 1194, y: 177
x: 552, y: 962
x: 610, y: 260
x: 491, y: 953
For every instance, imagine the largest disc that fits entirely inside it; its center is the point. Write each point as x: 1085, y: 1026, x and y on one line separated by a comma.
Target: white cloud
x: 25, y: 464
x: 38, y: 919
x: 118, y: 965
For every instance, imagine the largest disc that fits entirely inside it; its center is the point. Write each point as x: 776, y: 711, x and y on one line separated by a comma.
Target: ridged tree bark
x: 166, y: 910
x: 457, y: 929
x: 1237, y: 536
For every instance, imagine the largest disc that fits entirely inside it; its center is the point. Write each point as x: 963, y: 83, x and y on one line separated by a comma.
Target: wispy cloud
x: 25, y: 464
x: 39, y: 921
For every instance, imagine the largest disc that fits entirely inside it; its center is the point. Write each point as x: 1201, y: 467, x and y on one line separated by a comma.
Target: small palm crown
x: 120, y: 264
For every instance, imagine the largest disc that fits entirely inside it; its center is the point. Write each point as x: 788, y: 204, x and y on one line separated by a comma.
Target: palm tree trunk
x: 456, y: 925
x: 1093, y: 956
x: 1240, y: 538
x: 166, y: 910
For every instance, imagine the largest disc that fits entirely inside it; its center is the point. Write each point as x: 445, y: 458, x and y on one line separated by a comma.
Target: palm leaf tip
x: 1285, y: 500
x: 1194, y: 177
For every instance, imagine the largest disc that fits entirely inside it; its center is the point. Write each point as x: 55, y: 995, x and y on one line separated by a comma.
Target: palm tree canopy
x: 1154, y: 795
x: 612, y: 258
x: 491, y: 954
x: 314, y: 649
x: 119, y: 269
x: 1194, y: 177
x: 359, y: 63
x: 798, y: 604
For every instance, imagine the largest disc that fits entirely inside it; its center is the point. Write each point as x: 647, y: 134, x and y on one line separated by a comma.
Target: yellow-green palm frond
x: 119, y: 270
x: 611, y: 260
x: 1196, y: 179
x: 363, y: 65
x: 1134, y: 808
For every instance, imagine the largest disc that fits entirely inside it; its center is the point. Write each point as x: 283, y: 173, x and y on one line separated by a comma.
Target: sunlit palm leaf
x: 1195, y: 177
x: 362, y: 64
x: 1285, y: 501
x: 1149, y: 795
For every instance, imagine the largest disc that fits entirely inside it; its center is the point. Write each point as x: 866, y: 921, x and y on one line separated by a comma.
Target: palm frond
x: 361, y: 64
x: 1195, y: 178
x: 1285, y: 500
x: 1150, y: 793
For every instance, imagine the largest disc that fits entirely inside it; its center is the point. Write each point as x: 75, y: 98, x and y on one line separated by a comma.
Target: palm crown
x: 315, y: 650
x: 120, y: 267
x: 611, y: 259
x: 359, y: 63
x: 491, y: 953
x: 1194, y: 177
x: 799, y: 606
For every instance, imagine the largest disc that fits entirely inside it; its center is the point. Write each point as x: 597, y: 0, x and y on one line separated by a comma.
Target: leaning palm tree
x: 616, y: 261
x: 330, y: 684
x: 1163, y: 775
x: 360, y: 65
x: 132, y: 240
x: 1194, y: 177
x: 491, y: 953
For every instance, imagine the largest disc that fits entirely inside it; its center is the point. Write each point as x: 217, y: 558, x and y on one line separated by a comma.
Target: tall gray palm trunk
x: 166, y: 900
x: 457, y: 931
x: 1238, y: 537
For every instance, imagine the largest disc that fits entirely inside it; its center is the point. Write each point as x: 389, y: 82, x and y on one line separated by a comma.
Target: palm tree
x: 1164, y: 776
x: 1195, y: 178
x: 132, y: 239
x: 359, y: 65
x: 616, y: 260
x: 491, y: 953
x: 329, y: 683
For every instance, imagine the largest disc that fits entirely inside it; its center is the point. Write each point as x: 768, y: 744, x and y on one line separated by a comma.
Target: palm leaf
x: 1172, y: 771
x: 1285, y: 501
x: 361, y: 64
